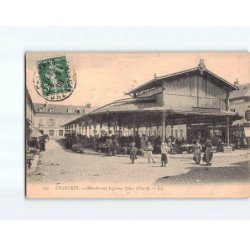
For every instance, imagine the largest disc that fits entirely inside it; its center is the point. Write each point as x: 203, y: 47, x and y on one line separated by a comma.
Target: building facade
x: 240, y: 103
x: 187, y: 93
x: 49, y: 118
x: 30, y: 115
x: 30, y: 108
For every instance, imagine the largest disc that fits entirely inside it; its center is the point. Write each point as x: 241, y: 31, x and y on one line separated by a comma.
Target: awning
x: 146, y: 111
x: 35, y: 132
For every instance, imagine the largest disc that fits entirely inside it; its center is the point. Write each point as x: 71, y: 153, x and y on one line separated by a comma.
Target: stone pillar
x: 90, y: 132
x: 79, y: 128
x: 108, y: 127
x: 227, y: 121
x: 134, y: 125
x: 100, y: 130
x: 86, y: 130
x: 187, y: 127
x: 227, y: 131
x: 163, y: 126
x: 94, y: 136
x: 150, y: 130
x: 172, y: 130
x: 137, y: 129
x: 120, y: 130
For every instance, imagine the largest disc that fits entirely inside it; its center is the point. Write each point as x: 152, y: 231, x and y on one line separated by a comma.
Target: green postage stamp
x: 54, y: 81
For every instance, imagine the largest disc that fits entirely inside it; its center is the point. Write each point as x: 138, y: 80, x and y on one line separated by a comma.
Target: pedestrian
x: 197, y: 152
x: 164, y: 154
x: 208, y: 155
x: 133, y: 151
x: 149, y: 152
x: 109, y: 144
x: 115, y: 145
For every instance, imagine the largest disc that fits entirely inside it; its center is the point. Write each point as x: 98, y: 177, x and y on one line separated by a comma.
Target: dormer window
x: 51, y: 110
x: 41, y: 109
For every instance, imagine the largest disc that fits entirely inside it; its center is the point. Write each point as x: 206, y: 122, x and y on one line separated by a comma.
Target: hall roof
x: 130, y: 104
x: 146, y: 108
x: 158, y: 80
x: 241, y: 93
x: 44, y: 108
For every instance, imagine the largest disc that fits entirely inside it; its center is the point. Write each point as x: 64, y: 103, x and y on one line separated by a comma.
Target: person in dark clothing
x: 115, y: 145
x: 208, y: 155
x: 109, y: 144
x: 133, y: 152
x: 42, y: 143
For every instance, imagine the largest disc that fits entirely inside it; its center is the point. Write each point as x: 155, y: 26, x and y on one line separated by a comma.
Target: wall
x: 29, y: 112
x: 42, y: 122
x: 194, y: 91
x: 240, y: 106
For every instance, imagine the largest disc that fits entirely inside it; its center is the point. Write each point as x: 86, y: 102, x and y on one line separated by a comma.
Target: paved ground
x: 60, y: 166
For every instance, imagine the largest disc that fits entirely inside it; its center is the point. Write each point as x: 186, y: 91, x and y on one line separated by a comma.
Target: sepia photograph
x: 125, y: 123
x: 137, y: 125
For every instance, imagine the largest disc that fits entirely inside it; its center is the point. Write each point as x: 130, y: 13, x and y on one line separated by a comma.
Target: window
x: 51, y: 132
x: 60, y: 132
x: 176, y: 133
x: 233, y: 110
x: 51, y: 122
x: 78, y: 111
x: 41, y: 109
x: 181, y: 133
x: 247, y: 115
x: 51, y: 110
x: 69, y: 110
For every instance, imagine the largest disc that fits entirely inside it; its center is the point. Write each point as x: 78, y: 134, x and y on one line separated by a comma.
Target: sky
x: 105, y: 77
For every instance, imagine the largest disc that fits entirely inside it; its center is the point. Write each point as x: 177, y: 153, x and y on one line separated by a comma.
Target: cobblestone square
x: 58, y: 166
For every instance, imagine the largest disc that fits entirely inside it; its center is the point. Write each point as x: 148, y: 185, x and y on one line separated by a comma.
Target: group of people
x: 38, y: 143
x: 113, y: 146
x: 208, y: 154
x: 165, y: 149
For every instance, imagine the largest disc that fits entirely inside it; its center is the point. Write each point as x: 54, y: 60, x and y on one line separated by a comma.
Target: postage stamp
x: 53, y: 80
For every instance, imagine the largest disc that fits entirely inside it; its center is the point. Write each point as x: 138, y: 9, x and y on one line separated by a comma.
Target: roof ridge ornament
x: 236, y: 82
x: 201, y: 66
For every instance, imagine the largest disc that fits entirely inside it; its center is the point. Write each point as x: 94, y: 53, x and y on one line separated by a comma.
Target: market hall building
x: 189, y: 104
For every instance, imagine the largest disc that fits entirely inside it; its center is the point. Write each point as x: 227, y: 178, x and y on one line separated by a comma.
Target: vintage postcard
x: 137, y: 125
